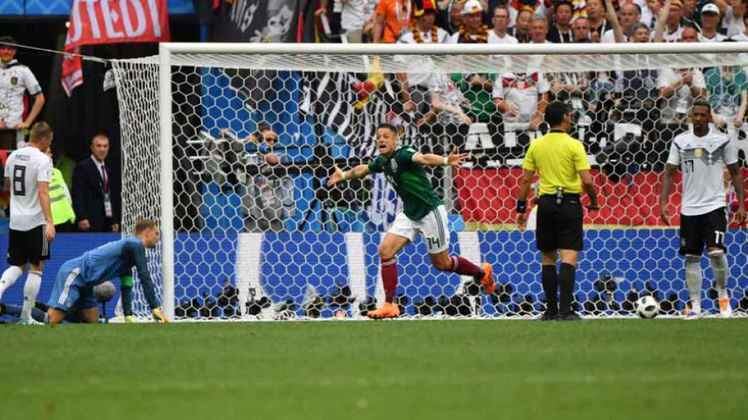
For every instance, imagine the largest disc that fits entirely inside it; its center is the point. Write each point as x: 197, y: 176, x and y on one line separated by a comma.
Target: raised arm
x: 378, y: 30
x: 723, y: 6
x: 618, y: 34
x: 339, y: 175
x: 661, y: 21
x: 430, y: 159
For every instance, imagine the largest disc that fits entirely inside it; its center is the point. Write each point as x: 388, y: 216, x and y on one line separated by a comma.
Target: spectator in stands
x: 477, y: 87
x: 668, y: 27
x: 472, y: 30
x: 689, y: 34
x: 521, y: 29
x: 649, y: 11
x: 499, y: 34
x: 690, y: 15
x: 596, y: 16
x: 637, y: 88
x: 449, y: 109
x: 522, y: 97
x: 581, y: 30
x: 96, y: 193
x: 680, y: 88
x: 728, y: 95
x: 448, y: 102
x: 710, y: 14
x: 454, y: 20
x: 560, y: 31
x: 741, y: 36
x: 392, y: 17
x: 579, y: 9
x: 574, y: 89
x: 15, y: 80
x: 733, y: 12
x: 539, y: 30
x: 414, y: 86
x: 353, y: 16
x: 269, y: 198
x: 622, y: 27
x: 535, y: 7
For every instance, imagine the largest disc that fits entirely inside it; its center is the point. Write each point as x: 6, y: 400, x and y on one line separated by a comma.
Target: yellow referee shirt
x: 558, y: 158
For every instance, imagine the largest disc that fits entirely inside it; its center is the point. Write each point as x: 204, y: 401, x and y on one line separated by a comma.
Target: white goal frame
x: 359, y: 52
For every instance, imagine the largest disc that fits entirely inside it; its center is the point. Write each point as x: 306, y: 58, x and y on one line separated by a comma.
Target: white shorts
x: 432, y: 226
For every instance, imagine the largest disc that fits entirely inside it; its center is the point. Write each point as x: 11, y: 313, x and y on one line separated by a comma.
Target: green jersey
x: 409, y: 180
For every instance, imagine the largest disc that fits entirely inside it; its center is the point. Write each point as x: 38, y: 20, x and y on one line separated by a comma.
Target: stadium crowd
x: 656, y: 101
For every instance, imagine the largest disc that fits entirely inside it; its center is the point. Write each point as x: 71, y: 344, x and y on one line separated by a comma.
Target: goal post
x: 186, y: 116
x: 166, y: 179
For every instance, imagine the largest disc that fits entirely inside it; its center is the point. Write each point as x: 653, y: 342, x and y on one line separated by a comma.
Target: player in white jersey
x: 27, y: 175
x: 702, y: 155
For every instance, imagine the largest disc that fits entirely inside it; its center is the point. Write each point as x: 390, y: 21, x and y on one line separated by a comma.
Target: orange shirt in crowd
x: 396, y: 14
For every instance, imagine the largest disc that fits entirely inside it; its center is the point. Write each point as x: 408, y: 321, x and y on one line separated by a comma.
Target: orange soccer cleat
x: 489, y: 286
x: 724, y: 307
x: 388, y: 310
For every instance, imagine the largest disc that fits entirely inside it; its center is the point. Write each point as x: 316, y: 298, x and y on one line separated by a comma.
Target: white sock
x: 30, y: 290
x: 719, y: 267
x: 693, y: 281
x: 10, y: 275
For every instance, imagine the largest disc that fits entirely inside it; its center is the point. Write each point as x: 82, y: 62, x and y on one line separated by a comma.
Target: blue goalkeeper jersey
x: 116, y: 259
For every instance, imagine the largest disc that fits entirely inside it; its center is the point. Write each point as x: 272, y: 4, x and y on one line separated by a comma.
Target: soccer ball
x: 647, y: 307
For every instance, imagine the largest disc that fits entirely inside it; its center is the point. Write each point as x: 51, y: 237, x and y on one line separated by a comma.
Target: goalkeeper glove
x: 129, y: 319
x: 159, y: 316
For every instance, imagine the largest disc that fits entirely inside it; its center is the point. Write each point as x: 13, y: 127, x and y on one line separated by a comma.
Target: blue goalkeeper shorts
x: 70, y: 293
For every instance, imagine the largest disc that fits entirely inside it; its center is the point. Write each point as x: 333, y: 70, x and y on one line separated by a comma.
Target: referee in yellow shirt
x: 564, y: 172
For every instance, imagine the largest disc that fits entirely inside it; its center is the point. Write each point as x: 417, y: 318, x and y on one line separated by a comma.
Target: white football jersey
x: 24, y: 169
x: 702, y: 161
x: 15, y: 79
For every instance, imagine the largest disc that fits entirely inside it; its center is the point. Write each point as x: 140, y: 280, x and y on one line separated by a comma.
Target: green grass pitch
x: 604, y: 369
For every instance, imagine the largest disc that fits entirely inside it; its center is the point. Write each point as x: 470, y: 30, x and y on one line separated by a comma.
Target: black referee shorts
x: 559, y: 226
x: 703, y: 230
x: 30, y: 246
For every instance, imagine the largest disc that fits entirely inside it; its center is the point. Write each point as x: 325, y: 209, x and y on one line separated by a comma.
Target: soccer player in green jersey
x: 423, y: 212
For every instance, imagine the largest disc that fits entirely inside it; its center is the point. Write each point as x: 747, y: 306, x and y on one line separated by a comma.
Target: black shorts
x: 559, y: 226
x: 29, y: 246
x: 705, y: 229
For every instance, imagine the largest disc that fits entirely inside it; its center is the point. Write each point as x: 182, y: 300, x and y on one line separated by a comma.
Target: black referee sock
x: 550, y: 287
x: 566, y: 278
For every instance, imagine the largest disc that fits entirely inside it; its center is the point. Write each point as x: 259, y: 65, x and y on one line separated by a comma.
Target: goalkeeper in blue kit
x: 73, y: 288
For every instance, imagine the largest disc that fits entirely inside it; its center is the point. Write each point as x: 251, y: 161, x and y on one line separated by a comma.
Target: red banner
x: 95, y: 22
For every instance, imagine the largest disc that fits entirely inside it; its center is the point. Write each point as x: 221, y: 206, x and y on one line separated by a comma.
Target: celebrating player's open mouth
x: 386, y: 143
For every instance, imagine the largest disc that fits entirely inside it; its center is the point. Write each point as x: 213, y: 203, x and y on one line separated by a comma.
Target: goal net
x: 231, y: 152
